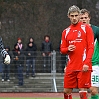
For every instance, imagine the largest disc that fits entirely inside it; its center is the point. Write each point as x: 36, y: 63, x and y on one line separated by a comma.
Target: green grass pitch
x: 34, y: 98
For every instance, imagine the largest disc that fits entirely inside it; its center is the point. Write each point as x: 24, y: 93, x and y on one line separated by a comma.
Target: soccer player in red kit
x: 78, y: 42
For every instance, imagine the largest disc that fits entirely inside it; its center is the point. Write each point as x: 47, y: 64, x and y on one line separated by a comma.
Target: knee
x: 94, y: 90
x: 67, y: 91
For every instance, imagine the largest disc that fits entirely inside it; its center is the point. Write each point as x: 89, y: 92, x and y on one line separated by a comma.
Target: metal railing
x: 56, y: 62
x: 47, y: 77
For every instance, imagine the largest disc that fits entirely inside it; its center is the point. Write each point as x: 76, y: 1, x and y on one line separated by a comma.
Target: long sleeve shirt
x: 2, y: 50
x: 95, y: 57
x: 81, y: 36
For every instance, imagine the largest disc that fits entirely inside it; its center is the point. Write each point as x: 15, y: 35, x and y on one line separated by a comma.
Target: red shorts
x: 77, y: 79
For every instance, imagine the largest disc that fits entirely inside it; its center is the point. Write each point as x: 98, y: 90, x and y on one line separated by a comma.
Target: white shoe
x: 8, y: 80
x: 2, y: 79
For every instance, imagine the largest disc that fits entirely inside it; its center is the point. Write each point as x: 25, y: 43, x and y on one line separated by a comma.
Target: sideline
x: 47, y: 94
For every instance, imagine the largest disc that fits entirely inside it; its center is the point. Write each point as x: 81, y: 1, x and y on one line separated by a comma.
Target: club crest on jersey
x: 79, y: 34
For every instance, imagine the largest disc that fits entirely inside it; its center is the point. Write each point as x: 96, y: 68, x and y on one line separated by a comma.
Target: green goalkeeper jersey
x: 95, y: 57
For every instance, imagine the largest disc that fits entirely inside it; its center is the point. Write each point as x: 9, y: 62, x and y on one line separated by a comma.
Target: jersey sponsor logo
x: 74, y: 30
x: 74, y: 41
x: 78, y: 40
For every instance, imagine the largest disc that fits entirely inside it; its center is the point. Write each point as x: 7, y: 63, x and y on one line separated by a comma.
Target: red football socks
x: 69, y: 96
x: 83, y: 94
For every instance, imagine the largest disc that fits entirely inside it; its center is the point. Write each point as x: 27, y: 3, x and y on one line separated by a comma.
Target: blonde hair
x: 73, y: 8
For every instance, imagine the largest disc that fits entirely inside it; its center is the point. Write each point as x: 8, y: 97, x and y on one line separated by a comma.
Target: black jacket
x: 46, y: 47
x: 31, y: 51
x: 19, y: 58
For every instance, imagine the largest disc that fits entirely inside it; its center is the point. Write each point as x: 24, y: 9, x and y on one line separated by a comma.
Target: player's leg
x: 83, y: 94
x: 84, y: 82
x: 70, y: 82
x: 94, y: 82
x: 67, y: 93
x: 27, y: 67
x: 94, y: 92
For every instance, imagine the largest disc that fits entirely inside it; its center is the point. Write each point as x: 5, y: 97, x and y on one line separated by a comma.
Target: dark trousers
x: 5, y: 71
x: 20, y: 75
x: 47, y: 63
x: 30, y: 63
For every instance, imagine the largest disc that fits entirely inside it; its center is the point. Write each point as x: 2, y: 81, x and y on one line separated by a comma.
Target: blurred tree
x: 36, y: 18
x: 79, y: 3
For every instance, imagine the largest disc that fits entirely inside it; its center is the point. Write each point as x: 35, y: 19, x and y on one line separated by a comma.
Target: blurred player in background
x: 78, y: 42
x: 85, y: 18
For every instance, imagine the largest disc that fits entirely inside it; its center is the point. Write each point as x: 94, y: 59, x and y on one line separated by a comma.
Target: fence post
x: 53, y: 70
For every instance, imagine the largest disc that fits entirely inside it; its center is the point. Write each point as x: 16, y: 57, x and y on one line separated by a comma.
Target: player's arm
x: 63, y: 45
x: 2, y: 50
x: 97, y: 34
x: 90, y: 45
x: 4, y: 53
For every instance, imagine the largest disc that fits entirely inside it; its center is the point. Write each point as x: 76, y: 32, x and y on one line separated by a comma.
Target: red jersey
x: 81, y: 35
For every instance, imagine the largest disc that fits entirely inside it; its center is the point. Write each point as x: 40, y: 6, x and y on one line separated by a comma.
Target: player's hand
x: 7, y: 59
x: 85, y: 68
x: 43, y: 54
x: 71, y: 47
x: 49, y: 54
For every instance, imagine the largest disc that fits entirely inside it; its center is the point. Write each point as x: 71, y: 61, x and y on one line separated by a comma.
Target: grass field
x: 31, y: 98
x: 34, y: 98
